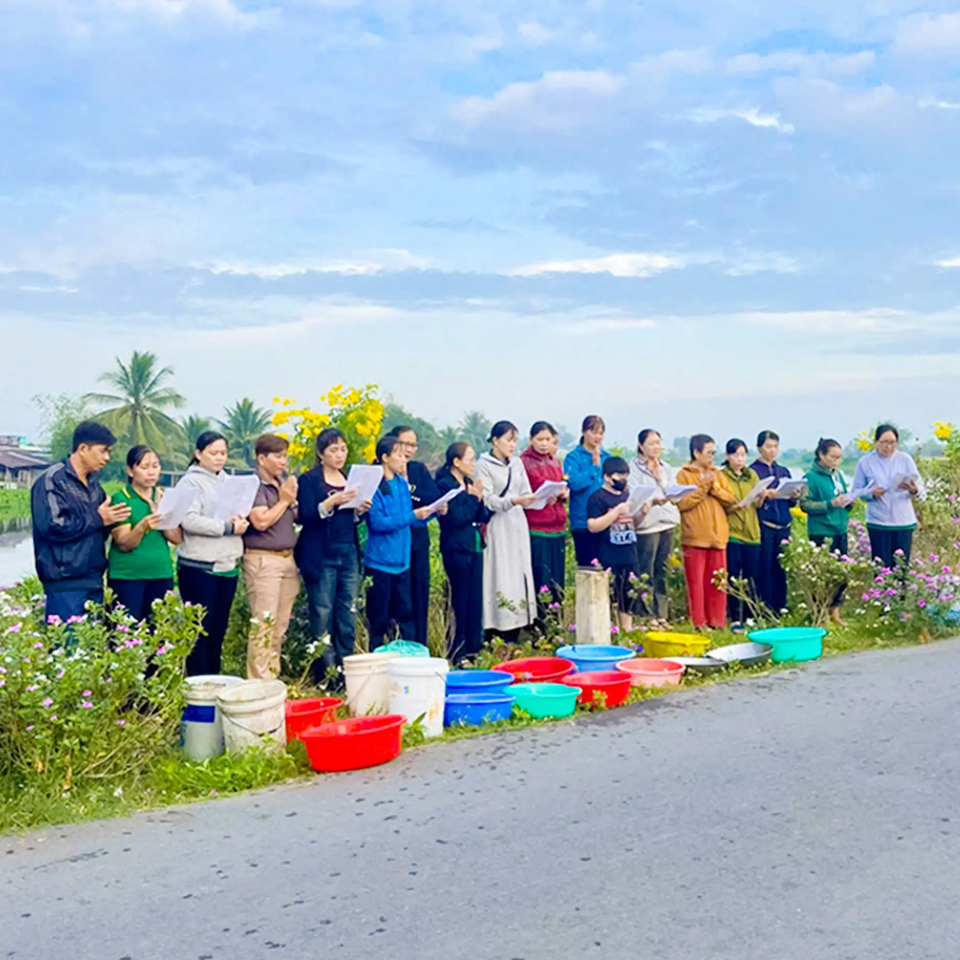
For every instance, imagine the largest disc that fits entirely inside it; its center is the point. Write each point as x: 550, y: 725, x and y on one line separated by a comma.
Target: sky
x: 709, y: 216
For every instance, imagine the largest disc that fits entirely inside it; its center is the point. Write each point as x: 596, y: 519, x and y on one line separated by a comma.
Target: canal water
x: 16, y: 551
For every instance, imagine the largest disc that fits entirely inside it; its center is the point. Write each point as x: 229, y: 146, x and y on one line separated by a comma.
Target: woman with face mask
x: 743, y: 547
x: 509, y: 597
x: 461, y: 546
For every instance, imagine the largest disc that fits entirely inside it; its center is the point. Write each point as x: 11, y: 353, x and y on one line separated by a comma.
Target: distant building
x: 20, y: 465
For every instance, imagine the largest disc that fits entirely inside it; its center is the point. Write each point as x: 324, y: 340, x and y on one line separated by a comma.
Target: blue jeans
x: 332, y: 600
x: 70, y: 603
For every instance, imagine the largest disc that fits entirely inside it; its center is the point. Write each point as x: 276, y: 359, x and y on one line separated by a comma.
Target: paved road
x: 810, y: 815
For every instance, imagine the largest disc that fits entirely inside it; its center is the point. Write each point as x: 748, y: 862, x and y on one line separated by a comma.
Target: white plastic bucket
x: 367, y: 683
x: 253, y: 715
x: 418, y: 687
x: 201, y: 730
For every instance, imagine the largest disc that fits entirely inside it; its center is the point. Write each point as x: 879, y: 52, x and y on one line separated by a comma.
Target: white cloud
x: 950, y: 263
x: 873, y: 320
x: 378, y: 261
x: 747, y: 264
x: 928, y: 35
x: 819, y: 103
x: 796, y: 61
x: 748, y: 114
x: 939, y: 104
x: 606, y: 324
x: 616, y: 264
x: 534, y: 33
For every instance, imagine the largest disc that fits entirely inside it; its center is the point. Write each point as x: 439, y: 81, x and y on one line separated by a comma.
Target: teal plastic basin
x: 542, y: 700
x: 791, y: 644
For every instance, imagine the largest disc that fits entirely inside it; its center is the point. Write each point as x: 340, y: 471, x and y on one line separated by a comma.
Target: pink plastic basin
x: 650, y: 672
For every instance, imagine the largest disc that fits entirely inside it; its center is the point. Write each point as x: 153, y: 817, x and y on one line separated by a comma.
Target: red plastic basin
x: 354, y: 744
x: 537, y: 669
x: 303, y: 714
x: 609, y: 687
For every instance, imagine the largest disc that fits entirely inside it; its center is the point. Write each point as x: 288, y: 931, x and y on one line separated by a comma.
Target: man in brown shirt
x: 269, y: 569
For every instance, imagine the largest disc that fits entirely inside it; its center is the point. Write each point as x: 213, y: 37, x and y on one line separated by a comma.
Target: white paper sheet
x: 174, y: 504
x: 857, y: 494
x: 235, y: 497
x: 364, y: 478
x: 446, y: 498
x: 639, y: 495
x: 898, y: 479
x: 545, y: 492
x: 788, y: 487
x: 679, y: 490
x: 756, y: 491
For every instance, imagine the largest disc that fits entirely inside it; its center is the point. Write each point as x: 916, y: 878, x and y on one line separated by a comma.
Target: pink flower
x: 614, y: 629
x: 898, y: 552
x: 54, y: 620
x: 544, y: 589
x: 572, y: 628
x: 38, y: 646
x: 47, y: 703
x: 54, y: 717
x: 75, y: 619
x: 86, y: 693
x: 121, y: 723
x: 86, y: 705
x: 29, y: 727
x: 31, y: 688
x: 921, y: 603
x: 15, y: 628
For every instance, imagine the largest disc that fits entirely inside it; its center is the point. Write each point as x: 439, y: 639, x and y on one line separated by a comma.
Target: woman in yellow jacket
x: 704, y: 532
x: 743, y: 549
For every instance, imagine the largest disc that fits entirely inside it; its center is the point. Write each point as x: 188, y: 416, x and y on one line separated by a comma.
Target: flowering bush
x: 358, y: 414
x: 94, y: 699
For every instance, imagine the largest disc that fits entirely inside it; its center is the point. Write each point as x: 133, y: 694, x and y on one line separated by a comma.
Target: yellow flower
x: 943, y: 430
x: 795, y: 511
x: 864, y: 442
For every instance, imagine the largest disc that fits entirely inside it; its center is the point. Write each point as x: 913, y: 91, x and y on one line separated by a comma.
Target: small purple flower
x: 38, y: 646
x: 572, y: 628
x: 898, y: 552
x: 86, y: 694
x: 53, y: 718
x: 47, y: 703
x: 123, y: 628
x: 53, y: 620
x: 32, y: 688
x: 121, y: 723
x: 544, y: 589
x: 614, y: 629
x: 15, y: 628
x: 29, y: 727
x: 75, y: 619
x: 86, y: 705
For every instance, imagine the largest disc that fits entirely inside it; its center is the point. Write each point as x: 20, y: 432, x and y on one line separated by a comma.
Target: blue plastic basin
x: 590, y: 657
x: 791, y: 644
x: 478, y: 681
x: 474, y: 709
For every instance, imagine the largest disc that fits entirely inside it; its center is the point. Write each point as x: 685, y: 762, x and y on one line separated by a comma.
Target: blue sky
x: 718, y: 216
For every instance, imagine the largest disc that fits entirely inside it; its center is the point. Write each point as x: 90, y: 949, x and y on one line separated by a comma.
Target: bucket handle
x: 266, y: 733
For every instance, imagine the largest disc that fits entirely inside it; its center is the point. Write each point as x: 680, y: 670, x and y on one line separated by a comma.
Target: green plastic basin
x: 542, y: 700
x: 791, y: 644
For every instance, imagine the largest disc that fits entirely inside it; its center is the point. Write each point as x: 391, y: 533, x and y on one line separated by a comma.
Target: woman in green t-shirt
x: 141, y: 569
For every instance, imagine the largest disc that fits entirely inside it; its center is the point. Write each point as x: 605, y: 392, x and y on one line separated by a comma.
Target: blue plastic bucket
x: 478, y: 681
x: 791, y: 644
x: 590, y: 657
x: 474, y: 709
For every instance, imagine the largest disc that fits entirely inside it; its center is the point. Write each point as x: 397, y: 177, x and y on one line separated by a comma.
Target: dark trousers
x: 743, y: 562
x: 771, y: 577
x: 137, y: 596
x: 64, y: 604
x: 549, y: 558
x: 885, y: 543
x: 465, y: 576
x: 215, y: 594
x: 332, y: 601
x: 388, y: 603
x: 653, y: 552
x: 420, y: 588
x: 585, y: 547
x: 625, y: 588
x: 837, y: 544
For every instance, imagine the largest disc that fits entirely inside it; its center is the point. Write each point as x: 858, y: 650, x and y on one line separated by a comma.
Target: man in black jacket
x: 71, y: 519
x: 424, y: 491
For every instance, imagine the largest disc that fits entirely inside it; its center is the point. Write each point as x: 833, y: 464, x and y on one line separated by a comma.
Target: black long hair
x: 204, y: 441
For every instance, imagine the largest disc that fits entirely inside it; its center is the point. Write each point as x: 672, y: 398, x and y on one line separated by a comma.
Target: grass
x: 14, y: 504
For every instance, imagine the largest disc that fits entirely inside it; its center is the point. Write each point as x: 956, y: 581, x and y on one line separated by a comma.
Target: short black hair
x: 540, y: 426
x: 614, y: 465
x: 502, y: 428
x: 764, y: 435
x: 734, y: 445
x: 327, y: 438
x: 399, y: 429
x: 824, y: 446
x: 92, y: 434
x: 136, y: 454
x: 885, y: 428
x: 698, y: 441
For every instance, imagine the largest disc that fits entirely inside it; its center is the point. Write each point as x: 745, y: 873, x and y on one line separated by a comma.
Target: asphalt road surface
x: 810, y: 814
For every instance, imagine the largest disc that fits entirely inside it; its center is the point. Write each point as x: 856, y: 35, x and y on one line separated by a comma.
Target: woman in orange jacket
x: 704, y: 532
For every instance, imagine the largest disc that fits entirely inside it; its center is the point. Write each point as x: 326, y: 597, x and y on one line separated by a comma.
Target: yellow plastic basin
x: 660, y: 644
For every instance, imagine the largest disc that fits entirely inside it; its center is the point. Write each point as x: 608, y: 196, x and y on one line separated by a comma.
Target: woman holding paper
x: 141, y: 569
x: 893, y: 481
x: 389, y: 520
x: 209, y: 558
x: 584, y: 469
x: 775, y: 520
x: 743, y: 547
x: 656, y: 522
x: 704, y: 532
x: 328, y: 550
x: 827, y: 504
x: 548, y: 525
x: 461, y: 546
x: 509, y: 597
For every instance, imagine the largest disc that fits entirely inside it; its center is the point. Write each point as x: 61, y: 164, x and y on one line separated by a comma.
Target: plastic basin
x: 649, y: 672
x: 354, y: 744
x: 744, y: 654
x: 662, y: 644
x: 542, y: 700
x: 300, y: 715
x: 405, y: 648
x: 474, y: 709
x: 699, y: 665
x: 601, y: 688
x: 477, y: 681
x: 537, y: 669
x: 595, y: 656
x: 791, y: 644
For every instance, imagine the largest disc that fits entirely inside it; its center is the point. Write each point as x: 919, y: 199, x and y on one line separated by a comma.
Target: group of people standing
x: 503, y: 547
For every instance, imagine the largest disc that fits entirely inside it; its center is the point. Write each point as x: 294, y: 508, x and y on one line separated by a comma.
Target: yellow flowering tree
x: 864, y: 442
x: 356, y: 413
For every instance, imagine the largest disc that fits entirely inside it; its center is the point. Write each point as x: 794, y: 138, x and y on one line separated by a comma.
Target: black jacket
x: 69, y: 538
x: 316, y: 535
x: 460, y: 528
x: 423, y: 492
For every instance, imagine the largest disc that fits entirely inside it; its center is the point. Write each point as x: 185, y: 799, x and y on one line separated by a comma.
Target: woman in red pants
x: 704, y: 533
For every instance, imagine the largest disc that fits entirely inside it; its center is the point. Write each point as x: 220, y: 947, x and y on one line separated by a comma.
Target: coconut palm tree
x: 243, y: 423
x: 136, y: 411
x: 475, y: 429
x: 191, y: 427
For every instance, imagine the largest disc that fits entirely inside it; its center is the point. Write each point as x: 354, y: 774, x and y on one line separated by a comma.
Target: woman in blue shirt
x: 584, y: 474
x: 775, y: 520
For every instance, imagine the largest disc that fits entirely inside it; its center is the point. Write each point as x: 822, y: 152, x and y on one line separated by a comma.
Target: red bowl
x: 614, y: 685
x: 537, y: 669
x: 354, y: 744
x: 303, y: 714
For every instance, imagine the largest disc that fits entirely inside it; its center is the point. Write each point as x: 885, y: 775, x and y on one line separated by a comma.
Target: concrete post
x: 593, y: 606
